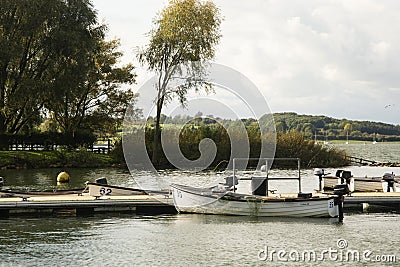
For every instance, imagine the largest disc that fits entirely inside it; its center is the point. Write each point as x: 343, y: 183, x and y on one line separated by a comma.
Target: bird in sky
x: 390, y: 105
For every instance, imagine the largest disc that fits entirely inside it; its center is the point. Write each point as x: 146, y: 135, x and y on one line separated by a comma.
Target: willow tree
x: 183, y: 39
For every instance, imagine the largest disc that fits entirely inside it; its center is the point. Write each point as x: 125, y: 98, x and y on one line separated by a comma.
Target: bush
x: 294, y: 145
x: 289, y: 145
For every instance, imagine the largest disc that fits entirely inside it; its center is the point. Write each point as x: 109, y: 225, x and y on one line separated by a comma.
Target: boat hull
x: 368, y: 185
x: 373, y: 184
x: 329, y: 182
x: 188, y: 201
x: 98, y: 190
x: 12, y: 193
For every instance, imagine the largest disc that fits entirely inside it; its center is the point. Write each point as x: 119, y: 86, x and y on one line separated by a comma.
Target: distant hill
x: 321, y: 126
x: 336, y: 129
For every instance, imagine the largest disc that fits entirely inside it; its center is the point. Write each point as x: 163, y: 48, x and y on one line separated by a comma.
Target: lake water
x: 380, y: 152
x: 197, y: 240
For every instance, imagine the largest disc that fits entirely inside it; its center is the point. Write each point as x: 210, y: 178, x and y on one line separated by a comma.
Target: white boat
x: 367, y: 184
x: 204, y: 200
x: 328, y: 182
x: 101, y: 188
x: 224, y: 200
x: 359, y: 184
x: 29, y: 193
x: 374, y: 141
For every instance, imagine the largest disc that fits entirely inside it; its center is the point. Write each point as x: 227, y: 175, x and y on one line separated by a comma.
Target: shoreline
x: 55, y: 159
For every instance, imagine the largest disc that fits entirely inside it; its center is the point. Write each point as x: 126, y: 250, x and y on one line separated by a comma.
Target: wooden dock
x: 374, y: 198
x: 83, y: 204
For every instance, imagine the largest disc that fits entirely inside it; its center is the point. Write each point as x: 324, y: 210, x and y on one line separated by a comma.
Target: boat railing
x: 268, y: 165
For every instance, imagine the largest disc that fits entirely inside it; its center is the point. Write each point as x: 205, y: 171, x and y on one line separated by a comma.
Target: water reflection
x: 219, y: 219
x: 183, y: 239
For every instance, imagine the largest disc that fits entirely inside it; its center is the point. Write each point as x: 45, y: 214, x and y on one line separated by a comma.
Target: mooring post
x: 341, y: 201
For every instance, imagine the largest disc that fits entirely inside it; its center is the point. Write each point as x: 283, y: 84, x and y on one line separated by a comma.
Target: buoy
x: 263, y: 168
x: 63, y: 177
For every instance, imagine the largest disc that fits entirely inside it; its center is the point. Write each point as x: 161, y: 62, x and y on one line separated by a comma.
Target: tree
x: 55, y: 62
x: 24, y: 31
x: 183, y: 39
x: 44, y: 45
x: 97, y: 99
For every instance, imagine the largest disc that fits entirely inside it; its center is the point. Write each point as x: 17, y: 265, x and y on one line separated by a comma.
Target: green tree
x: 54, y: 62
x: 24, y: 58
x: 44, y: 48
x: 96, y: 100
x: 184, y: 37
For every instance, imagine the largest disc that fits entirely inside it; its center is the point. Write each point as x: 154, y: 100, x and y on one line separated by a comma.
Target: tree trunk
x: 157, y: 134
x: 3, y: 77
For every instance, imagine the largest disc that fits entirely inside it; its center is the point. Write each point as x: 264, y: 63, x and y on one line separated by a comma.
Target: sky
x: 320, y: 57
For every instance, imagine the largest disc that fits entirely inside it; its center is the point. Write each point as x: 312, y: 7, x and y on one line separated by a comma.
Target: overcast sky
x: 334, y: 58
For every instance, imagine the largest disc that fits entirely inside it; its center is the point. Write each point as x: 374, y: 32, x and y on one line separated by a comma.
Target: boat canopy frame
x: 268, y: 164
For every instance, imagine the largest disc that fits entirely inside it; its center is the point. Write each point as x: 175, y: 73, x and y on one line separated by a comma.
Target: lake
x: 198, y: 240
x: 380, y: 152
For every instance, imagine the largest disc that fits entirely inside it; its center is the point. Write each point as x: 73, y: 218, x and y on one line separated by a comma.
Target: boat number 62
x: 179, y: 193
x: 106, y: 192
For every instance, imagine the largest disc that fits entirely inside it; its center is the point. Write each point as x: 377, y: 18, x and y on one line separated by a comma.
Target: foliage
x: 54, y: 62
x: 96, y: 101
x: 293, y: 145
x: 117, y: 152
x: 41, y: 43
x: 289, y: 145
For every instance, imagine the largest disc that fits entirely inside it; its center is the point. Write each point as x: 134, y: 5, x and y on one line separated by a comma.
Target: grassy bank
x: 53, y: 159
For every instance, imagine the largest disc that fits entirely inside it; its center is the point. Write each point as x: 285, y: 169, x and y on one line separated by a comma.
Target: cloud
x: 338, y: 58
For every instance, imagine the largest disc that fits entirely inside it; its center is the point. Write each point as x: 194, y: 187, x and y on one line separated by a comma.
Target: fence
x: 100, y: 148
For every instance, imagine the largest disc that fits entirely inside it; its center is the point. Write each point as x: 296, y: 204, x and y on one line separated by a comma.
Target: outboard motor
x: 102, y: 180
x: 319, y: 172
x: 340, y: 190
x: 230, y: 181
x: 346, y: 175
x: 259, y: 186
x: 1, y: 181
x: 338, y: 173
x: 389, y: 178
